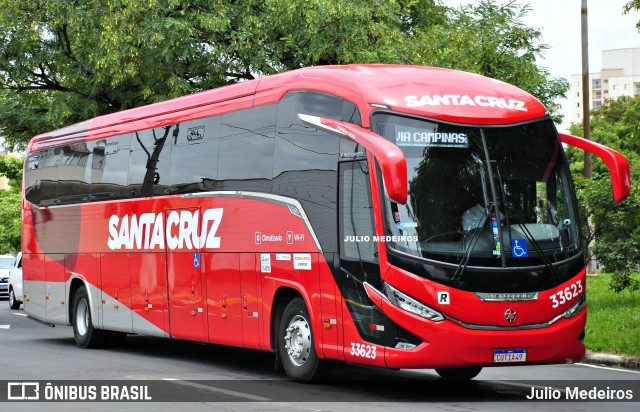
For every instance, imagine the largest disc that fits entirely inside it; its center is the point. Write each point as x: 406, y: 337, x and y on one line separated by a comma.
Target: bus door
x: 187, y: 313
x: 363, y: 323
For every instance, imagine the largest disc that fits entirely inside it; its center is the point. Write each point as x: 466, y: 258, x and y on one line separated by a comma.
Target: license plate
x: 509, y: 355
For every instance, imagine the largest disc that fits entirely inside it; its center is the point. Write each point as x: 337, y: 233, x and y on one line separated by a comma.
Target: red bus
x: 389, y: 215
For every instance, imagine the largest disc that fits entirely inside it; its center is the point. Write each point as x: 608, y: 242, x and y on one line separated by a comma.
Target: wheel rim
x: 82, y: 317
x: 12, y: 298
x: 297, y: 340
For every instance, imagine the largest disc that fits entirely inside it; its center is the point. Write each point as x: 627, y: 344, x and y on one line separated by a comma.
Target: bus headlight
x: 409, y: 304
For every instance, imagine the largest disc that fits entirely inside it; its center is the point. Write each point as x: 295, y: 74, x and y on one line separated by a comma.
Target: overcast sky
x: 559, y: 21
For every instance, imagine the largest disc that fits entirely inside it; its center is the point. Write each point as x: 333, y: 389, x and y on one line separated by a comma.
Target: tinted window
x: 245, y: 160
x: 358, y: 249
x: 350, y: 113
x: 316, y: 104
x: 356, y: 213
x: 150, y: 160
x: 41, y: 180
x: 306, y: 159
x: 75, y: 173
x: 31, y: 177
x: 109, y: 168
x: 194, y: 156
x: 299, y: 147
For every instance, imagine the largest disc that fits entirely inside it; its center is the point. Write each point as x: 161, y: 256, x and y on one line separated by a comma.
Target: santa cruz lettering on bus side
x: 184, y: 230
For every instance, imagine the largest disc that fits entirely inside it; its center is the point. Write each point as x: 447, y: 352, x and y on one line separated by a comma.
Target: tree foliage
x: 11, y: 168
x: 616, y: 228
x: 67, y: 61
x: 632, y: 5
x: 11, y: 227
x: 10, y: 201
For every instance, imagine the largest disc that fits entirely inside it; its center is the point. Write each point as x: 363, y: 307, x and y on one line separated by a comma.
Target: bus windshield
x: 497, y: 196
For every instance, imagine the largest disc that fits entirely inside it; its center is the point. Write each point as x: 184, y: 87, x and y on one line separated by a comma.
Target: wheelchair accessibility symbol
x: 196, y: 260
x: 519, y: 248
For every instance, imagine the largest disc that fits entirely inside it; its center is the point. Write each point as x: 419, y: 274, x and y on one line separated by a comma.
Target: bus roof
x: 436, y: 93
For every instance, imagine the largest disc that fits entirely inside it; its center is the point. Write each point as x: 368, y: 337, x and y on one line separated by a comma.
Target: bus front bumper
x: 449, y: 344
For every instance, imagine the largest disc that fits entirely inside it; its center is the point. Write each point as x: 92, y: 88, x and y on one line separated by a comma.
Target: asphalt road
x: 195, y: 377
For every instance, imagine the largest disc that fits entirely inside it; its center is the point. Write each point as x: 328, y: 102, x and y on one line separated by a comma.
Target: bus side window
x: 149, y: 161
x: 245, y: 159
x: 74, y: 181
x: 109, y: 168
x: 32, y: 177
x: 41, y: 180
x: 194, y: 156
x: 315, y: 104
x: 350, y: 113
x: 305, y: 161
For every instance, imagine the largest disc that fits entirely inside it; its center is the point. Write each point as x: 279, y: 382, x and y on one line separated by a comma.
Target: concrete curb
x: 598, y: 358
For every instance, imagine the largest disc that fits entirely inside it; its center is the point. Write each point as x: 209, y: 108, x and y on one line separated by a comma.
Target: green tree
x: 11, y: 168
x: 615, y: 228
x: 632, y: 5
x: 492, y: 40
x: 63, y: 62
x: 11, y: 227
x: 10, y: 201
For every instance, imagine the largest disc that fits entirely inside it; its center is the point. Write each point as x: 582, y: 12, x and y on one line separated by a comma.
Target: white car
x: 15, y: 283
x: 7, y: 263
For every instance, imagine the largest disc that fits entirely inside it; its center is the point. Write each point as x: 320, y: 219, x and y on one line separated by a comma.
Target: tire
x: 296, y: 345
x: 458, y: 374
x: 85, y: 335
x: 13, y: 302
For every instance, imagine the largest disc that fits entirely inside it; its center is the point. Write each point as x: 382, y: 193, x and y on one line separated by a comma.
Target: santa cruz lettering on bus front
x: 464, y: 100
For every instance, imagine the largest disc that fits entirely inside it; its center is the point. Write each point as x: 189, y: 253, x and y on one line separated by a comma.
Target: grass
x: 613, y: 320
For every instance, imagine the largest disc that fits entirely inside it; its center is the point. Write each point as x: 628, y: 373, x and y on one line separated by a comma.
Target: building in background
x: 620, y: 76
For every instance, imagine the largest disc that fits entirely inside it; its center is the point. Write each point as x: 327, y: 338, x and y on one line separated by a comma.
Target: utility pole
x: 586, y: 95
x: 586, y: 117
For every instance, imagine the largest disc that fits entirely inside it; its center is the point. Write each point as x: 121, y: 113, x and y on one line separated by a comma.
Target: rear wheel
x: 85, y: 335
x: 13, y: 302
x: 296, y: 345
x: 458, y: 374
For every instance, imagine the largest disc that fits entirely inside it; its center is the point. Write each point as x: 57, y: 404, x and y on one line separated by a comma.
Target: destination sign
x: 411, y: 136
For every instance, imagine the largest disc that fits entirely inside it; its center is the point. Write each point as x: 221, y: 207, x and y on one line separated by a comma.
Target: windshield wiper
x: 545, y: 260
x: 475, y: 235
x: 509, y: 212
x: 494, y: 194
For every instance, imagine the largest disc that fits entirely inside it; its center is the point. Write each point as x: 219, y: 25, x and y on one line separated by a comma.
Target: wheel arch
x: 281, y: 299
x: 74, y: 284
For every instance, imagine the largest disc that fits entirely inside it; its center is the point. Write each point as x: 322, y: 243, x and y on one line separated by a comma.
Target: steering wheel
x: 444, y: 234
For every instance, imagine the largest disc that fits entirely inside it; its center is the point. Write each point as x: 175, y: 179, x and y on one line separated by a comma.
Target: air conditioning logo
x: 184, y: 230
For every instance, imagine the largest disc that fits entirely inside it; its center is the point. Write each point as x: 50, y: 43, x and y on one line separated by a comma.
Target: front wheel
x: 13, y: 302
x: 458, y: 374
x: 296, y: 345
x: 85, y: 335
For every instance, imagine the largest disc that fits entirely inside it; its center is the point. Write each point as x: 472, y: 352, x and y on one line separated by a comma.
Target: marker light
x: 405, y: 345
x: 411, y: 305
x: 576, y: 308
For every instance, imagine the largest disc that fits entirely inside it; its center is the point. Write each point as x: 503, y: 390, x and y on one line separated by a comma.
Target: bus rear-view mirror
x: 618, y: 164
